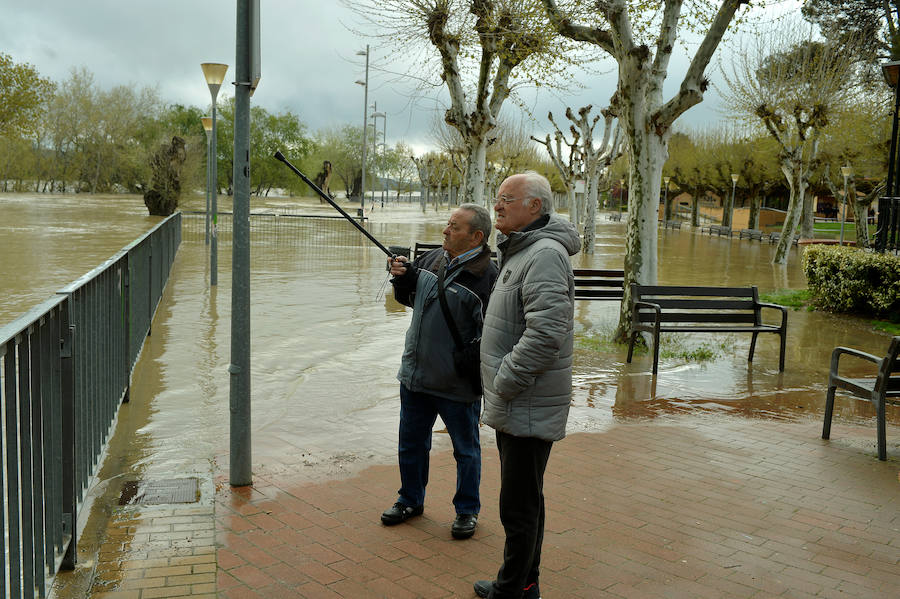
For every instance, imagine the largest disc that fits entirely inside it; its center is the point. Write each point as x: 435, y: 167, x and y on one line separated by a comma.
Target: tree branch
x: 695, y: 82
x: 579, y: 33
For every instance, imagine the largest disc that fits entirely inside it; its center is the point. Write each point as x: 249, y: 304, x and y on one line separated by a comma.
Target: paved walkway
x: 686, y: 507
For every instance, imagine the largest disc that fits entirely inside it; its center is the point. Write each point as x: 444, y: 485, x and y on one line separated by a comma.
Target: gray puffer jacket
x: 528, y: 335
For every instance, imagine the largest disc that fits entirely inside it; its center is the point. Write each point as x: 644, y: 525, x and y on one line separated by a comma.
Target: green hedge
x: 846, y: 279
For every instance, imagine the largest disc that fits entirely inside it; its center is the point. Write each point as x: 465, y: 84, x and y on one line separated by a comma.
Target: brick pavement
x: 696, y: 507
x: 721, y: 507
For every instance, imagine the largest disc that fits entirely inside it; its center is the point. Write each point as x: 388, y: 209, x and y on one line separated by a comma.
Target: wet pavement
x: 781, y: 512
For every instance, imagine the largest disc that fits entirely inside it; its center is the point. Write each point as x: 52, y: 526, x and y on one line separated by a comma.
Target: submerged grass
x: 795, y: 299
x: 671, y: 347
x: 892, y: 328
x: 675, y: 346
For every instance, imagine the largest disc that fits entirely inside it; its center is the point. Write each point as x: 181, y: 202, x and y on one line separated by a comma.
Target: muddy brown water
x: 326, y: 340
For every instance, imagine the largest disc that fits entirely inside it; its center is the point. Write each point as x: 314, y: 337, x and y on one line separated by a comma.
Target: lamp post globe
x: 214, y: 73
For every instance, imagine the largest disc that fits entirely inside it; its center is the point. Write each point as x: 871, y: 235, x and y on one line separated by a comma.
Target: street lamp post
x: 375, y: 116
x: 214, y: 73
x: 734, y: 180
x: 668, y: 212
x: 207, y: 127
x: 846, y: 171
x: 621, y: 193
x: 365, y: 84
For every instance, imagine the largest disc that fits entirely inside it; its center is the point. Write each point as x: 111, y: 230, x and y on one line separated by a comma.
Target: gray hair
x: 480, y: 219
x: 536, y: 185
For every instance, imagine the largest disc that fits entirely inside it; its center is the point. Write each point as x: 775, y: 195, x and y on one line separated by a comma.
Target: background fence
x: 65, y: 366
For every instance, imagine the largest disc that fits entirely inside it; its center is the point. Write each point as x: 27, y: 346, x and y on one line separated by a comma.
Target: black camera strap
x: 442, y: 272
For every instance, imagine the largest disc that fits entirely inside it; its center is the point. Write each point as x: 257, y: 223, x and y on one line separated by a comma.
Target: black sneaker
x: 464, y: 526
x: 399, y: 513
x: 483, y: 589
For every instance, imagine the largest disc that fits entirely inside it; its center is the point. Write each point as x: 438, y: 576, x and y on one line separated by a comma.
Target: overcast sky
x: 307, y: 56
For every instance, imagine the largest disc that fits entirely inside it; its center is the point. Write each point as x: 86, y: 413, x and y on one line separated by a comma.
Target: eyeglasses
x: 506, y: 200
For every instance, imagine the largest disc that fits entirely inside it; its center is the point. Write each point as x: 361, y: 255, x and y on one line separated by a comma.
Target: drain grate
x: 157, y: 492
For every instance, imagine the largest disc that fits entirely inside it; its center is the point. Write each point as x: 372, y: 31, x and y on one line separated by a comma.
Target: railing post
x: 67, y: 397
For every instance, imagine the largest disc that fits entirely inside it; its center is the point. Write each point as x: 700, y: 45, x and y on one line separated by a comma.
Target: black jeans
x: 522, y: 464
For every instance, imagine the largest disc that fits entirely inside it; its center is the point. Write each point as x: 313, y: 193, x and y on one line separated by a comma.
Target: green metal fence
x: 65, y: 366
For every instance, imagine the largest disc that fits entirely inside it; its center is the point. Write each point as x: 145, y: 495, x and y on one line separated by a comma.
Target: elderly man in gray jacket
x: 526, y: 368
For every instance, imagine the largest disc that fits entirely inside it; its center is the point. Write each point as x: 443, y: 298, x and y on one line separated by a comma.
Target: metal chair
x: 881, y: 390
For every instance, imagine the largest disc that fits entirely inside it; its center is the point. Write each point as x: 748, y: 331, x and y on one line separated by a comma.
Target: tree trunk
x: 727, y: 209
x: 793, y: 170
x: 809, y: 210
x: 753, y: 222
x: 473, y: 178
x: 648, y: 154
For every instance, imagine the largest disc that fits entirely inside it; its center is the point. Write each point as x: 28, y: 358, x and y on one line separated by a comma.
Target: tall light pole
x: 667, y: 211
x: 734, y: 180
x: 365, y: 84
x: 375, y: 116
x: 214, y: 73
x: 207, y: 126
x: 847, y: 171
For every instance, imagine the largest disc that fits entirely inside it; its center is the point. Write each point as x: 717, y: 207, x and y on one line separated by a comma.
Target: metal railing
x: 65, y: 366
x: 887, y: 234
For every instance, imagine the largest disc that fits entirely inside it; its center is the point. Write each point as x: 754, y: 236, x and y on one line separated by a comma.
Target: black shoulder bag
x: 466, y: 356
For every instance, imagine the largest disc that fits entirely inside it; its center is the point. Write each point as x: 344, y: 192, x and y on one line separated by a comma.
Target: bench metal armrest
x: 839, y: 351
x: 776, y: 307
x: 655, y: 307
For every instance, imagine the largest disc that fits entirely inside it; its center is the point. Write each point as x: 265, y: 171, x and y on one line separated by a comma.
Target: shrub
x: 845, y: 279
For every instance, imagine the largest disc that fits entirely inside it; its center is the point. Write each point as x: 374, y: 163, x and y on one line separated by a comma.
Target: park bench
x: 615, y: 216
x: 675, y: 309
x: 590, y: 283
x: 716, y: 229
x: 774, y: 236
x: 882, y: 389
x: 751, y: 234
x: 671, y: 224
x: 596, y: 284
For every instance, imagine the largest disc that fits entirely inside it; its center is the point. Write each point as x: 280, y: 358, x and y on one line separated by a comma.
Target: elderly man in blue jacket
x: 430, y: 383
x: 526, y: 368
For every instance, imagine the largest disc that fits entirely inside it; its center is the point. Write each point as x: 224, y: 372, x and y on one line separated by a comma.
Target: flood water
x: 327, y: 339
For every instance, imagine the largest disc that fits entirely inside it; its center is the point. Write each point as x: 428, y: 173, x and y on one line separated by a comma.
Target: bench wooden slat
x: 592, y: 272
x: 649, y: 291
x: 703, y: 304
x: 598, y: 283
x: 612, y: 294
x: 724, y: 317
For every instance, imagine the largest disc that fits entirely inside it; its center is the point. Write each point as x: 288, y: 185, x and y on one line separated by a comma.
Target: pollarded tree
x: 641, y: 37
x: 480, y: 47
x: 567, y: 163
x: 794, y: 86
x: 596, y: 161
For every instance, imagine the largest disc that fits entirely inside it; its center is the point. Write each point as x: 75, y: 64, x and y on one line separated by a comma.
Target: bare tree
x: 480, y: 46
x: 641, y: 36
x: 567, y: 163
x: 794, y: 86
x: 596, y: 161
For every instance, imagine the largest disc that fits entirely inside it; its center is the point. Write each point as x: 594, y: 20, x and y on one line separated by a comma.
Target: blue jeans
x: 418, y: 412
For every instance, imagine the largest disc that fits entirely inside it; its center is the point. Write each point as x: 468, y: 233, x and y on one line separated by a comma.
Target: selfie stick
x: 324, y: 196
